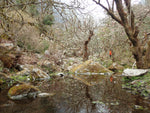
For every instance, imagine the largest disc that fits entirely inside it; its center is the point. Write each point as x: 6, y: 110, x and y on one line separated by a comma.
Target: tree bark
x: 86, y: 55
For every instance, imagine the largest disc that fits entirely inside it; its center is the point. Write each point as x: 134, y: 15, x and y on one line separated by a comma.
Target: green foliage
x: 20, y: 78
x: 33, y: 10
x: 1, y: 68
x: 34, y: 46
x: 138, y: 85
x: 19, y: 2
x: 42, y: 47
x: 42, y: 28
x: 144, y: 77
x: 48, y: 20
x: 45, y: 45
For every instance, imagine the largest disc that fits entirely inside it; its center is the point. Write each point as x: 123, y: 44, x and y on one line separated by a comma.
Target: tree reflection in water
x: 77, y: 97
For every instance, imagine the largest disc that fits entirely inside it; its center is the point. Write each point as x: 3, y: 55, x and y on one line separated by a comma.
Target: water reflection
x: 75, y: 96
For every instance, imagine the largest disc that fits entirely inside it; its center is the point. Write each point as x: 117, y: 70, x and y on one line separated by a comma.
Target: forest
x: 74, y: 56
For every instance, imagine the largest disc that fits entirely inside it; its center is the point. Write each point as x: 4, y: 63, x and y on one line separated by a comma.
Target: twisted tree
x: 125, y: 16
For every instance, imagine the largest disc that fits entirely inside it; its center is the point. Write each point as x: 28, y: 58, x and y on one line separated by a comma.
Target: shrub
x: 48, y: 20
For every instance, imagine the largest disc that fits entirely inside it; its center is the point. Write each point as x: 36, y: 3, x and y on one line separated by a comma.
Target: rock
x: 40, y: 74
x: 32, y: 73
x: 90, y: 66
x: 4, y: 78
x: 115, y: 67
x: 5, y: 41
x: 134, y: 72
x: 8, y: 54
x: 6, y: 57
x: 9, y: 57
x: 23, y: 91
x: 8, y: 45
x: 45, y: 94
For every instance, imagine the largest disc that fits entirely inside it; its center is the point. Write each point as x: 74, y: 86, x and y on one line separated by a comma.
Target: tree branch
x: 121, y: 12
x: 108, y: 5
x: 113, y: 5
x: 142, y: 19
x: 128, y: 5
x: 32, y: 3
x: 109, y: 12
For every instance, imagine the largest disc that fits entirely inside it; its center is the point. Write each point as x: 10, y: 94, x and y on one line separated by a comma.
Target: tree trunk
x: 132, y: 32
x: 86, y: 55
x: 147, y: 56
x: 141, y: 56
x: 137, y: 53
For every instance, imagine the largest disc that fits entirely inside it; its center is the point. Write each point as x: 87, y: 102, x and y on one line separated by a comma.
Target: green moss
x: 1, y: 81
x: 107, y: 63
x: 16, y: 90
x: 19, y: 78
x: 138, y: 85
x: 1, y: 68
x: 144, y: 77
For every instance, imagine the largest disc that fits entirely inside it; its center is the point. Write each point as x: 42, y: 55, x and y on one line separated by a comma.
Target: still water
x: 82, y: 94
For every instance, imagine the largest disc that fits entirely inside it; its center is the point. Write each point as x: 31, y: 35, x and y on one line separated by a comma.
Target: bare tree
x: 124, y: 15
x: 87, y: 27
x: 86, y: 55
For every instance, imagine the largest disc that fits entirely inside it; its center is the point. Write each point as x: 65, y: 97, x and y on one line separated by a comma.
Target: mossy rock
x: 90, y: 66
x: 21, y: 78
x: 31, y: 73
x: 23, y: 91
x: 4, y: 77
x: 5, y: 81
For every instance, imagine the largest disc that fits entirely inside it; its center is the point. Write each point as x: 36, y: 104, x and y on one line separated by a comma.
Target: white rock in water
x: 44, y: 95
x: 134, y: 72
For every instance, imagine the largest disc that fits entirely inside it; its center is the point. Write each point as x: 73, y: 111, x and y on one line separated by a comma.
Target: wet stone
x: 23, y: 91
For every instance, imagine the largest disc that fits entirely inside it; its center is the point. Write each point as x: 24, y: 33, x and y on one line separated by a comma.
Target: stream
x: 79, y: 94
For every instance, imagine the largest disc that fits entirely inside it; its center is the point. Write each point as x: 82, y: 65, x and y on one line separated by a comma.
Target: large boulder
x: 90, y: 67
x: 32, y: 73
x: 134, y: 72
x: 23, y: 91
